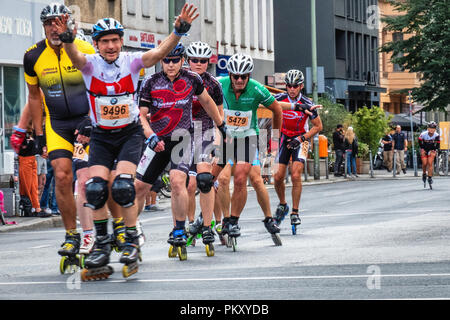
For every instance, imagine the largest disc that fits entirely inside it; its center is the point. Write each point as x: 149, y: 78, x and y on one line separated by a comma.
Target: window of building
x: 131, y: 7
x: 269, y: 19
x: 340, y: 44
x: 178, y: 6
x: 145, y: 5
x: 350, y: 54
x: 253, y: 21
x: 208, y: 11
x: 397, y: 36
x: 261, y: 25
x: 11, y: 100
x: 357, y: 55
x: 339, y: 8
x: 350, y: 9
x: 160, y: 10
x: 243, y: 5
x: 357, y: 10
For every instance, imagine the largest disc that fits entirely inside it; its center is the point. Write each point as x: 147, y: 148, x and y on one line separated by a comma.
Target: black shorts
x: 285, y: 154
x: 177, y: 154
x: 239, y: 150
x: 60, y: 136
x: 123, y: 145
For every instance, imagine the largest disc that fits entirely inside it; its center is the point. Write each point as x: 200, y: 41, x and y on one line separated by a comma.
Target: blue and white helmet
x: 106, y: 26
x: 240, y: 64
x: 54, y: 10
x: 178, y: 51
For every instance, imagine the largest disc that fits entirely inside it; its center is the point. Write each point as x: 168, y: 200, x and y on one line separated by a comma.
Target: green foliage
x: 370, y: 125
x: 363, y: 151
x: 427, y: 51
x: 331, y: 115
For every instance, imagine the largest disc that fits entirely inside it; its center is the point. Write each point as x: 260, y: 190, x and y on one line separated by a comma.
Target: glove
x: 296, y: 142
x: 40, y: 144
x: 223, y: 130
x: 17, y: 138
x: 300, y: 107
x: 183, y: 28
x: 85, y: 127
x: 152, y: 141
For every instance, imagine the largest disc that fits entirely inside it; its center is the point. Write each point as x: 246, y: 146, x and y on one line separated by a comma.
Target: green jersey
x: 240, y: 115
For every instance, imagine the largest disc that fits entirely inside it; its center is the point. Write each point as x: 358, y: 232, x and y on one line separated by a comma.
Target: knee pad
x: 205, y: 182
x: 123, y: 191
x: 96, y: 193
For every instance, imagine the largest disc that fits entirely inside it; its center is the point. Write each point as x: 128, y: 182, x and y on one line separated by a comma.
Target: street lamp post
x: 412, y: 134
x: 314, y: 85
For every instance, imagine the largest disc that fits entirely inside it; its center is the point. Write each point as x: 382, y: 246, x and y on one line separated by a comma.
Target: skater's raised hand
x: 184, y: 20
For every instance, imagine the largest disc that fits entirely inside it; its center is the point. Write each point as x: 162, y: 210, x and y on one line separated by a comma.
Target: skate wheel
x: 129, y: 270
x: 209, y: 250
x: 222, y: 240
x: 232, y: 243
x: 140, y: 257
x: 172, y: 252
x: 226, y: 239
x: 84, y: 275
x: 276, y: 239
x: 182, y: 253
x: 63, y: 264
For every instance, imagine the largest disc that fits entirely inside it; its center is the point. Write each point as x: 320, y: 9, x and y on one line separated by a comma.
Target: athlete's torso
x: 428, y: 142
x: 241, y: 114
x: 295, y: 122
x: 112, y: 79
x: 62, y: 84
x: 171, y: 102
x: 215, y: 91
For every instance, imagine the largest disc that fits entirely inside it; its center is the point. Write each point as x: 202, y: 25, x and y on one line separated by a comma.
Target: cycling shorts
x: 240, y: 150
x: 124, y: 144
x: 285, y: 154
x: 177, y: 154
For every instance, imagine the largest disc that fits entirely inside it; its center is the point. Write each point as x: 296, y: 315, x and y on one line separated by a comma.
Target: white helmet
x: 240, y: 64
x: 54, y: 10
x: 199, y: 49
x: 294, y: 77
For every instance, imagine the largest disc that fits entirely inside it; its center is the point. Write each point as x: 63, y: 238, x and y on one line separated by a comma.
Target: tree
x: 331, y: 115
x: 427, y: 51
x: 370, y: 125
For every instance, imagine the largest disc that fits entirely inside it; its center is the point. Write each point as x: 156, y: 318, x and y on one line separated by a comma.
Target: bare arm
x: 317, y: 127
x: 210, y: 107
x: 35, y: 108
x: 277, y: 114
x: 143, y: 111
x: 151, y: 57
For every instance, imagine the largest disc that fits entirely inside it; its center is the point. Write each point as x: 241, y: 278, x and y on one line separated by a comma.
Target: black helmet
x: 432, y: 124
x: 54, y: 10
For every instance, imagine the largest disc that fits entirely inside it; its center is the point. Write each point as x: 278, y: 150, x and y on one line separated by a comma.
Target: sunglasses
x: 242, y: 76
x: 295, y: 86
x: 174, y: 60
x: 202, y: 61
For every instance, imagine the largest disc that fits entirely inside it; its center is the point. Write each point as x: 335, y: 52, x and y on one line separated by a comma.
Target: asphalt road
x: 384, y: 239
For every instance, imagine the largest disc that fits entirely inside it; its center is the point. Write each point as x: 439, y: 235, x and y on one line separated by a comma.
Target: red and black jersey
x: 295, y: 123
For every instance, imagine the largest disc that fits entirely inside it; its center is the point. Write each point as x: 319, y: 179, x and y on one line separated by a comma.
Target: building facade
x: 347, y: 47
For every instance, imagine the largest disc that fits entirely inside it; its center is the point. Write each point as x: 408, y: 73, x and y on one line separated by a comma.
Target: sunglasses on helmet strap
x: 242, y: 76
x: 173, y: 60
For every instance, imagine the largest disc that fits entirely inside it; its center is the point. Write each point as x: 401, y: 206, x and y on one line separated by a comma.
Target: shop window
x: 11, y: 100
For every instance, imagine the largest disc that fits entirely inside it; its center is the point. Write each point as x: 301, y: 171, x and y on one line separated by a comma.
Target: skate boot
x: 179, y: 243
x: 208, y: 239
x: 172, y: 251
x: 131, y: 253
x: 280, y: 214
x: 424, y: 179
x: 87, y: 243
x: 194, y: 230
x: 274, y: 230
x: 233, y: 231
x: 140, y: 233
x: 219, y: 232
x: 430, y: 182
x: 295, y: 221
x: 70, y: 261
x: 118, y: 235
x: 96, y: 263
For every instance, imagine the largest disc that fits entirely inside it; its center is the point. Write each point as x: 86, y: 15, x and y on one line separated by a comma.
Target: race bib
x: 114, y: 111
x: 79, y: 152
x: 238, y: 120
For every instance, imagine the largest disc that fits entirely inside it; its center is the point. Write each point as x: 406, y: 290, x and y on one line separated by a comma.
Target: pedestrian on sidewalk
x: 338, y: 145
x: 400, y: 145
x: 351, y: 150
x: 388, y: 152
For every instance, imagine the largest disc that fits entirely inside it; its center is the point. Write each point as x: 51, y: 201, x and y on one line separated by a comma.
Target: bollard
x: 446, y: 163
x: 305, y: 170
x: 371, y: 163
x: 326, y: 168
x: 345, y: 165
x: 394, y: 168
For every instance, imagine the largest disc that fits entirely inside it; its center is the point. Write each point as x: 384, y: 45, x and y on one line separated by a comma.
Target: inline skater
x: 48, y: 69
x: 242, y: 97
x: 168, y: 97
x: 295, y: 132
x: 111, y: 79
x: 198, y: 54
x: 429, y: 143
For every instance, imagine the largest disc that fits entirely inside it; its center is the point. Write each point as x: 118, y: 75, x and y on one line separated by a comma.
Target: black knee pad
x: 205, y: 181
x: 123, y: 191
x: 96, y: 193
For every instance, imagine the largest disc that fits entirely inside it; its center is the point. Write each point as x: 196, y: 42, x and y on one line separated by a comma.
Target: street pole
x: 314, y: 85
x: 412, y: 135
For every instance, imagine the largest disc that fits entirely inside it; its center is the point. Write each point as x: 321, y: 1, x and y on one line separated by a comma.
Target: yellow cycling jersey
x: 62, y: 84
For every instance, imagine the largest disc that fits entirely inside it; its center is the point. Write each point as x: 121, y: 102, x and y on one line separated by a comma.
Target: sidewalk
x: 32, y: 223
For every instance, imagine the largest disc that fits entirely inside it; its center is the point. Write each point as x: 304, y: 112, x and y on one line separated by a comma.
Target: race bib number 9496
x: 114, y: 112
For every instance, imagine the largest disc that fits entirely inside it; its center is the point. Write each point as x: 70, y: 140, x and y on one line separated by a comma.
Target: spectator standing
x: 338, y: 144
x: 388, y: 152
x: 400, y: 145
x: 351, y: 149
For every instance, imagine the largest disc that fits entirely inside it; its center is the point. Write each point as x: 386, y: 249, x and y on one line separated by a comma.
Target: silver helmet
x: 54, y: 10
x: 294, y: 76
x: 199, y: 49
x: 240, y: 64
